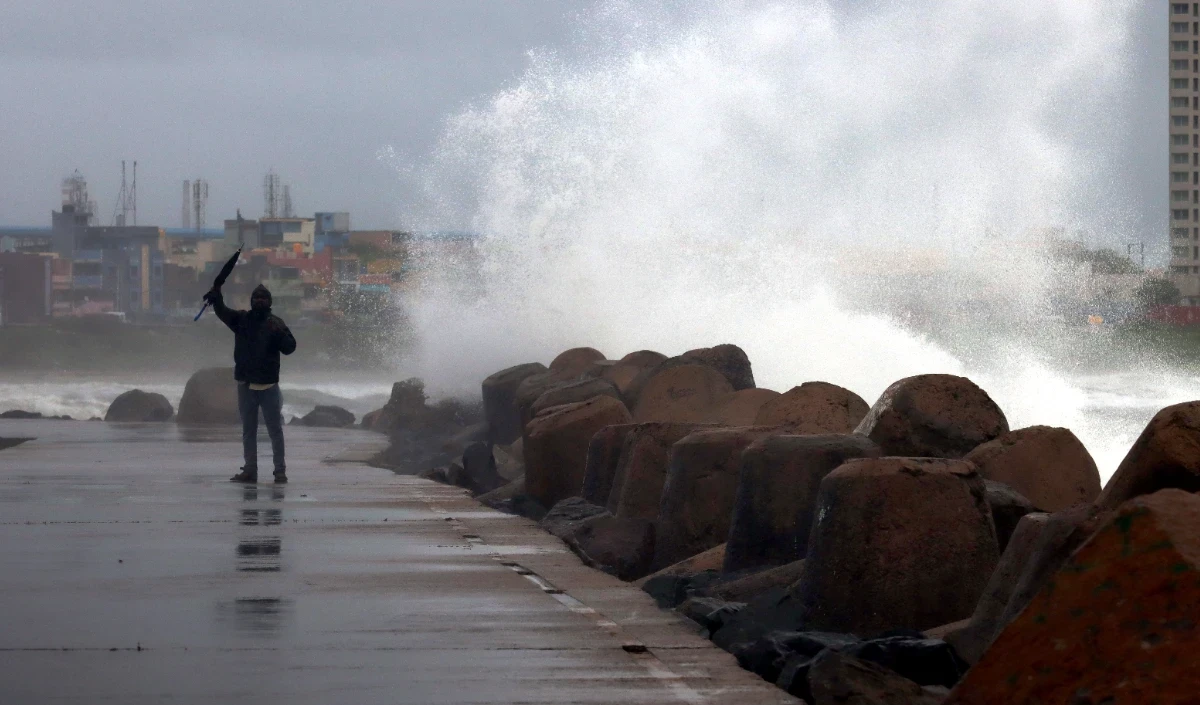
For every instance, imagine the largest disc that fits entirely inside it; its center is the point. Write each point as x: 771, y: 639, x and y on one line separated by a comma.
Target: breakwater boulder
x: 1165, y: 455
x: 210, y: 397
x: 813, y: 408
x: 328, y: 416
x: 897, y: 543
x: 1047, y: 465
x: 933, y: 416
x: 500, y: 401
x: 138, y: 406
x: 556, y: 446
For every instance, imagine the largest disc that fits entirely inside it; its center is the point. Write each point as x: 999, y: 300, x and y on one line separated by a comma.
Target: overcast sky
x: 225, y: 90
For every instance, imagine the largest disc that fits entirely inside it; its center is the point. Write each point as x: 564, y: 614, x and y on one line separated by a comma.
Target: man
x: 259, y: 337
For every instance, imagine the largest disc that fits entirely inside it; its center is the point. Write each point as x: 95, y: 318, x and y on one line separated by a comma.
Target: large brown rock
x: 574, y: 362
x: 697, y: 499
x: 777, y: 495
x: 1167, y: 454
x: 977, y: 633
x: 741, y: 407
x: 730, y: 360
x: 898, y: 543
x: 603, y: 457
x: 642, y: 470
x: 933, y: 416
x: 210, y: 397
x: 138, y: 406
x: 1059, y: 537
x: 685, y: 393
x: 1047, y: 465
x: 1117, y: 624
x: 751, y: 586
x: 814, y: 407
x: 573, y: 392
x: 643, y: 358
x: 837, y: 679
x: 556, y: 445
x: 620, y: 546
x: 500, y: 401
x: 530, y: 389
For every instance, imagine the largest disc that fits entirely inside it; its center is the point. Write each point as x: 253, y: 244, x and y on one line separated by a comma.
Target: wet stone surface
x: 135, y: 572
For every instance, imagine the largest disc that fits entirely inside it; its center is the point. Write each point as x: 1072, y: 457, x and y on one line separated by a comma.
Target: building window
x: 1179, y: 270
x: 1179, y: 196
x: 1179, y: 158
x: 1179, y: 45
x: 1179, y: 252
x: 1179, y: 65
x: 1179, y: 27
x: 1179, y: 232
x: 1179, y: 120
x: 1179, y: 214
x: 1179, y: 102
x: 1179, y: 139
x: 1179, y: 84
x: 1179, y: 177
x: 1179, y: 8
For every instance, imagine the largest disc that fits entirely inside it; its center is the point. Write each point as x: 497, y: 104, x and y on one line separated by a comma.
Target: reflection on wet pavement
x: 257, y: 552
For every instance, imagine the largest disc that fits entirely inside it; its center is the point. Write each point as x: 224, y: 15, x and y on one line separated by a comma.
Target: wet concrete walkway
x: 133, y: 572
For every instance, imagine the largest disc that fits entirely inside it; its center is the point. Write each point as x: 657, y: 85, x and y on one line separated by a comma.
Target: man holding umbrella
x: 259, y: 338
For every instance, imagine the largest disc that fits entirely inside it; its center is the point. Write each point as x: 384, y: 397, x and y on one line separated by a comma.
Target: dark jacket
x: 257, y: 343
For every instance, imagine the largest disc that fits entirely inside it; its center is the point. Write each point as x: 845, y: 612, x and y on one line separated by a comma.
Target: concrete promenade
x: 134, y: 572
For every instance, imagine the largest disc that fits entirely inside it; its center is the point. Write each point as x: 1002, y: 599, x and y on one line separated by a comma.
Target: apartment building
x: 1184, y: 130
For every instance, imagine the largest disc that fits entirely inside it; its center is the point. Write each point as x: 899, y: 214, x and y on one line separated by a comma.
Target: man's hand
x: 213, y: 295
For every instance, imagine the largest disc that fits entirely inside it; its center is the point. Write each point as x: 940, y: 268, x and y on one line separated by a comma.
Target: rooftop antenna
x: 185, y: 218
x: 199, y: 202
x: 122, y: 200
x: 287, y: 202
x: 131, y: 196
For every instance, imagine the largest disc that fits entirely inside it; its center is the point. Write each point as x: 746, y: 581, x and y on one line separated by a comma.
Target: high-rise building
x: 1184, y: 129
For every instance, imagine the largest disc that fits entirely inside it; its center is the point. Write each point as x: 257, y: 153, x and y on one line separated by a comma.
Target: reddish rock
x: 603, y: 456
x: 500, y: 401
x: 643, y: 358
x: 973, y: 637
x: 837, y: 679
x: 573, y: 392
x: 933, y: 416
x: 730, y: 360
x: 1062, y: 533
x: 814, y: 407
x: 1117, y: 624
x: 1167, y: 454
x: 741, y: 408
x: 697, y: 499
x: 898, y: 543
x: 528, y: 392
x: 574, y: 362
x: 556, y: 446
x: 620, y: 546
x: 777, y: 495
x: 1047, y: 465
x: 712, y: 559
x: 642, y: 470
x: 686, y: 393
x: 747, y: 588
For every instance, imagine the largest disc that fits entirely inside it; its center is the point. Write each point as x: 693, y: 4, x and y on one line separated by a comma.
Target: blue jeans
x: 271, y: 403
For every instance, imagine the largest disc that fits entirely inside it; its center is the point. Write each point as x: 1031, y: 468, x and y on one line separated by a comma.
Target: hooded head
x: 260, y: 300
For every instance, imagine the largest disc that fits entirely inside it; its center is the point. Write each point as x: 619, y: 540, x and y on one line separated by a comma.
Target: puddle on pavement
x: 256, y: 616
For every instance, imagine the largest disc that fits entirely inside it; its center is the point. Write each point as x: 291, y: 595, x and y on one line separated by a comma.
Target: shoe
x: 280, y: 478
x: 244, y: 476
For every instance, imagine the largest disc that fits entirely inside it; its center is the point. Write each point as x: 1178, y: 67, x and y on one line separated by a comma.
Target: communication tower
x: 272, y: 195
x: 287, y: 202
x: 199, y: 202
x: 185, y: 216
x: 75, y: 194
